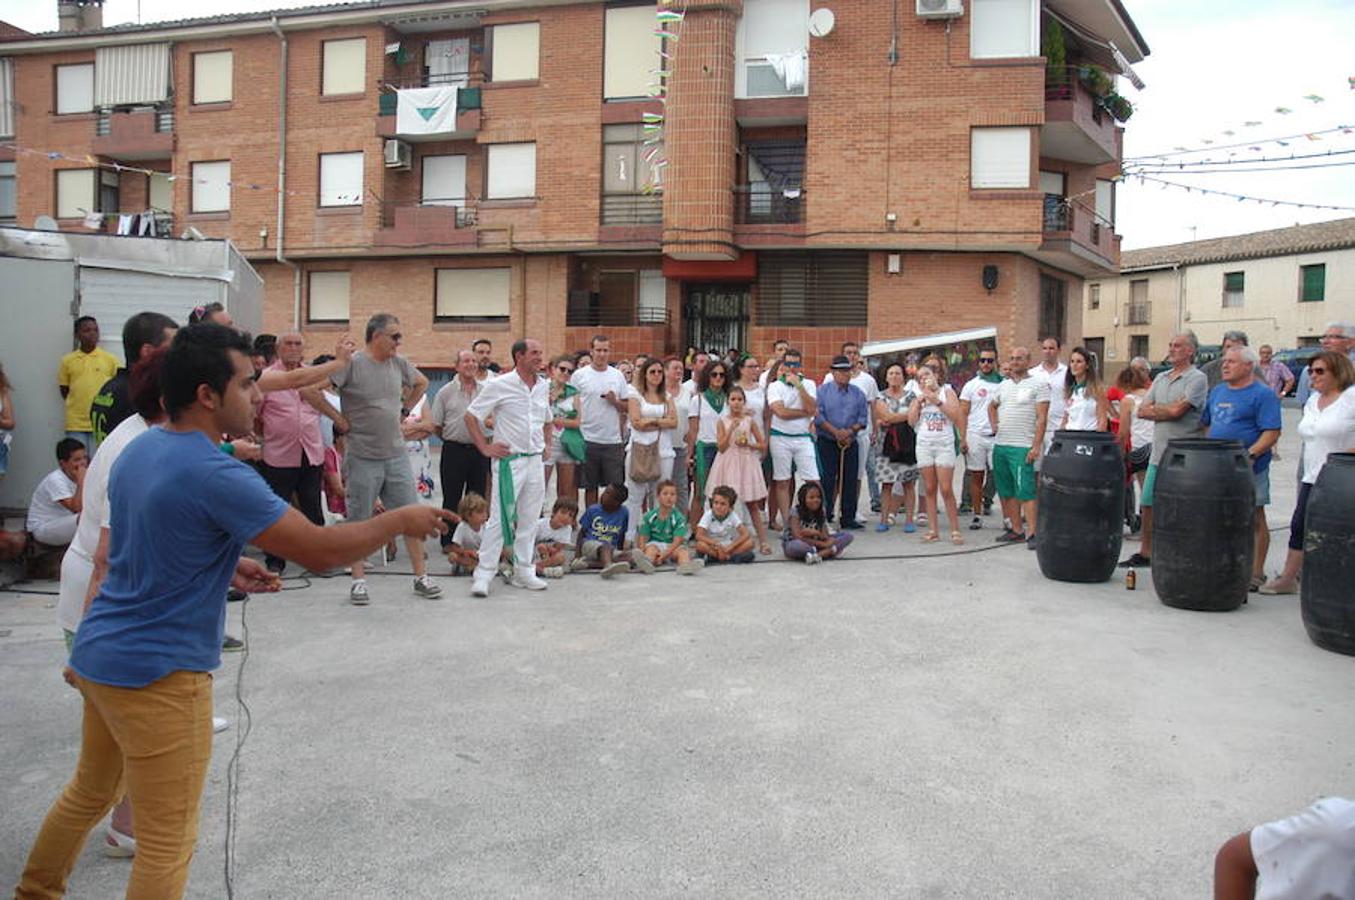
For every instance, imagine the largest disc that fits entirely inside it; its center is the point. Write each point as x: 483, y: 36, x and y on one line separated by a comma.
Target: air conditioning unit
x: 399, y: 155
x: 940, y: 9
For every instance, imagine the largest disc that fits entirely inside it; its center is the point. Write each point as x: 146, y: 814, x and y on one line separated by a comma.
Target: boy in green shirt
x: 662, y: 534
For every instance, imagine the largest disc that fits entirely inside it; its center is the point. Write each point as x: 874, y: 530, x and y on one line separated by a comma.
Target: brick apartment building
x: 901, y: 174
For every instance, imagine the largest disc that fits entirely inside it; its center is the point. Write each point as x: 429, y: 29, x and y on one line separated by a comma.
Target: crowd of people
x: 686, y: 462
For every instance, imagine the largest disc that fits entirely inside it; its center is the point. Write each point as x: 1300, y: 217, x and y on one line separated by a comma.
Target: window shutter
x: 771, y: 27
x: 480, y: 294
x: 1234, y: 281
x: 75, y: 193
x: 74, y: 88
x: 1000, y: 157
x: 341, y: 179
x: 1105, y: 201
x: 213, y: 76
x: 512, y: 171
x: 816, y: 289
x: 444, y: 181
x: 515, y: 52
x: 161, y: 192
x: 211, y: 187
x: 328, y: 299
x: 137, y: 73
x: 653, y: 306
x: 630, y: 51
x: 6, y: 97
x: 1003, y: 28
x: 1314, y: 283
x: 344, y: 67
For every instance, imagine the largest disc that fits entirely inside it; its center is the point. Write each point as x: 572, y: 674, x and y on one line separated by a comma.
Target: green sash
x: 508, y: 499
x: 701, y: 465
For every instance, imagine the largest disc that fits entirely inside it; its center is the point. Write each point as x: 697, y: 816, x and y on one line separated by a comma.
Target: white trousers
x: 529, y: 485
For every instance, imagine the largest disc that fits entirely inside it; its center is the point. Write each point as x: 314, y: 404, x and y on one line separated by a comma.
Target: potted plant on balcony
x: 1056, y: 58
x: 1119, y: 107
x: 1097, y: 82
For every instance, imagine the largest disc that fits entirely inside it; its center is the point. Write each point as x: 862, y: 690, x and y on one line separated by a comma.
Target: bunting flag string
x: 668, y: 23
x: 1241, y: 198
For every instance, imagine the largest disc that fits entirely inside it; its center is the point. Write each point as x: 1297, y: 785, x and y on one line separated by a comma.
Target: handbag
x: 644, y: 462
x: 900, y: 441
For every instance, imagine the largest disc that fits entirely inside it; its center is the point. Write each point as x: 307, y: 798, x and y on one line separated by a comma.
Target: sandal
x: 956, y: 537
x: 930, y: 537
x: 765, y: 548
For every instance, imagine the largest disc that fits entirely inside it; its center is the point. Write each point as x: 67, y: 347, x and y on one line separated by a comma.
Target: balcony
x: 422, y: 224
x: 1075, y: 240
x: 1077, y: 127
x: 1140, y: 313
x: 758, y: 204
x: 467, y: 112
x: 632, y: 209
x: 138, y: 134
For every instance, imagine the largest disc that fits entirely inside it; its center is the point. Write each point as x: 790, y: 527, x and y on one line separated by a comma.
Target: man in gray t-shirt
x: 375, y: 391
x: 1174, y: 404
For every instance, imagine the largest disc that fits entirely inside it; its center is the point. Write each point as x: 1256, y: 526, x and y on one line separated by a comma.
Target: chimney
x: 79, y: 15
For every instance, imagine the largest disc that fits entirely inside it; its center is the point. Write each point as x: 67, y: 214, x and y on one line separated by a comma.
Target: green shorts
x: 1014, y: 477
x: 1146, y: 496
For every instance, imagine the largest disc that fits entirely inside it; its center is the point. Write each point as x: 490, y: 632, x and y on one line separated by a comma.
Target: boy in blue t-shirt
x: 1245, y: 409
x: 602, y: 534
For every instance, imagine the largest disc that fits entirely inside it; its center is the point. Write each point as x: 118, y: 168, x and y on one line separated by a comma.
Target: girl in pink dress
x: 738, y: 463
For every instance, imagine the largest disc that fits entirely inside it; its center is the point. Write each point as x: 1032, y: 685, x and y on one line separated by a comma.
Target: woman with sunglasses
x: 566, y: 451
x: 652, y: 414
x: 708, y: 403
x: 1327, y: 426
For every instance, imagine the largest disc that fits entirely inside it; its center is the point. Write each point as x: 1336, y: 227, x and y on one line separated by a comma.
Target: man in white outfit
x: 1055, y: 372
x: 519, y: 401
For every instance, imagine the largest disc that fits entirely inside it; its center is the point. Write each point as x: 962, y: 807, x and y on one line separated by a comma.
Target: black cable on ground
x: 246, y: 723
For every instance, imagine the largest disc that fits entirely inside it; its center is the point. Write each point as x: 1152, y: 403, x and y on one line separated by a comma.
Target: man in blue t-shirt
x: 1245, y: 409
x: 602, y: 534
x: 181, y: 513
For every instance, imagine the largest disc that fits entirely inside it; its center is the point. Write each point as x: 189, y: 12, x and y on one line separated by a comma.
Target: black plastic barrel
x: 1204, y: 504
x: 1081, y: 510
x: 1328, y: 591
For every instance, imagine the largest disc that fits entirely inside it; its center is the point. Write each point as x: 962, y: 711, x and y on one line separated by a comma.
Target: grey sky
x: 1216, y: 65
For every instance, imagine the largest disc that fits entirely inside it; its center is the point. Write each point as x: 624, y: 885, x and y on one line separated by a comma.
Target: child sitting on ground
x: 1306, y: 855
x: 464, y: 550
x: 602, y: 534
x: 555, y: 535
x: 662, y: 534
x: 808, y: 536
x: 721, y: 535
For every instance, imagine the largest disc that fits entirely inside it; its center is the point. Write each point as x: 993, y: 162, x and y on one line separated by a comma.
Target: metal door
x: 717, y: 316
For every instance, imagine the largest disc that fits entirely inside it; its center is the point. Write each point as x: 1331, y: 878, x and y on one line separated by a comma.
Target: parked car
x: 1206, y: 353
x: 1297, y: 360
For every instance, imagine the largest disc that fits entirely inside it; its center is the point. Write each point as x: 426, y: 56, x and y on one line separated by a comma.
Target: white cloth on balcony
x: 790, y: 68
x: 430, y: 110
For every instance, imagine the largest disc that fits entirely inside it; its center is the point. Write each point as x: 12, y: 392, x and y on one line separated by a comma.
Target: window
x: 341, y: 179
x: 472, y: 295
x: 213, y: 75
x: 1053, y: 307
x: 110, y: 191
x: 653, y: 307
x: 999, y: 158
x: 328, y: 293
x: 161, y: 192
x: 1093, y: 296
x: 448, y: 61
x: 1138, y: 346
x: 1138, y: 291
x: 629, y: 186
x: 74, y: 89
x: 770, y: 44
x: 1139, y: 311
x: 76, y: 192
x: 6, y: 98
x: 8, y: 195
x: 1105, y: 202
x: 514, y: 51
x: 630, y: 52
x: 1312, y: 283
x: 344, y: 67
x: 511, y: 172
x: 1234, y: 289
x: 444, y: 181
x: 815, y: 289
x: 999, y: 29
x: 211, y: 187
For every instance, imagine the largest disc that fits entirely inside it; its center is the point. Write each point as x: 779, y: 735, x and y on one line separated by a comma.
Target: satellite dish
x: 45, y: 223
x: 821, y: 22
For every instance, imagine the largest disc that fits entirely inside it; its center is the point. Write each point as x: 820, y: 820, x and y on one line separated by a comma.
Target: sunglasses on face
x: 987, y: 359
x: 397, y: 337
x: 565, y: 369
x: 791, y: 365
x: 1314, y: 370
x: 717, y: 374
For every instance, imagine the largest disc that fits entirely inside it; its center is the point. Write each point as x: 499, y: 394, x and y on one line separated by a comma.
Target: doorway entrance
x: 716, y: 316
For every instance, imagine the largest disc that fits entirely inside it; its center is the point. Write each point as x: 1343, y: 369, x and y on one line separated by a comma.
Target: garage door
x: 113, y: 296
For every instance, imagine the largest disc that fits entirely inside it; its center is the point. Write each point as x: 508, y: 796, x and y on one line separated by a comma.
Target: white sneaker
x: 357, y: 594
x: 644, y: 564
x: 118, y: 845
x: 479, y: 586
x: 691, y: 567
x: 526, y: 578
x: 425, y: 586
x: 219, y: 724
x: 811, y: 558
x: 613, y: 569
x: 553, y: 572
x: 506, y: 571
x: 578, y: 564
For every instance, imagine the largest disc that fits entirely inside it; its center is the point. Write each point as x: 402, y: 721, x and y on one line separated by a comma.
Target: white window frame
x: 328, y: 296
x: 515, y: 52
x: 341, y: 180
x: 630, y: 51
x: 73, y: 199
x: 492, y: 287
x: 213, y: 77
x: 992, y: 155
x: 343, y: 67
x: 1005, y: 38
x: 207, y: 195
x: 74, y: 88
x: 507, y: 162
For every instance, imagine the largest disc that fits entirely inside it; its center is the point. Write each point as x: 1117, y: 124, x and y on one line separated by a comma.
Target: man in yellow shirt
x: 82, y: 373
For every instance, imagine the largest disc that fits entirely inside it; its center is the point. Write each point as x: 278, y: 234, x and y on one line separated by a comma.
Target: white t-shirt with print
x: 722, y: 531
x: 979, y: 393
x: 465, y: 537
x: 933, y: 425
x: 1308, y: 855
x: 545, y: 534
x: 599, y: 421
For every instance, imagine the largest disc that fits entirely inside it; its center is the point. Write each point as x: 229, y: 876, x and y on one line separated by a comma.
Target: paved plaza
x: 904, y: 722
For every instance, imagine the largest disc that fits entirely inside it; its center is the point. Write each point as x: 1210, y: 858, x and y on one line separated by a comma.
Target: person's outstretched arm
x: 1235, y: 869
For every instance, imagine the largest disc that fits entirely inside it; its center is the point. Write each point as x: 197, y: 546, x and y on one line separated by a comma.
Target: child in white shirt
x: 554, y: 535
x: 1307, y: 855
x: 721, y: 535
x: 464, y: 550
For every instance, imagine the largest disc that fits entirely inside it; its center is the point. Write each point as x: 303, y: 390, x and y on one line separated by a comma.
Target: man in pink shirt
x: 293, y: 451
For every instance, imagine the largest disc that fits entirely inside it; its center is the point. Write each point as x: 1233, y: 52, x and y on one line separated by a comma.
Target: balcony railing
x: 450, y: 212
x: 164, y: 119
x: 759, y: 204
x: 466, y: 98
x: 632, y: 209
x: 1058, y: 215
x: 585, y: 309
x: 1138, y: 313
